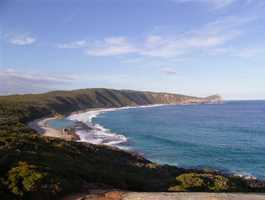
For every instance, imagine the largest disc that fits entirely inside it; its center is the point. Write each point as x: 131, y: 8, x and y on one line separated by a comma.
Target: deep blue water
x: 229, y: 136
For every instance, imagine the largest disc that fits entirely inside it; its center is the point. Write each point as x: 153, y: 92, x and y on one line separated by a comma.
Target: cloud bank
x: 16, y: 82
x: 169, y: 71
x: 206, y: 38
x: 217, y: 4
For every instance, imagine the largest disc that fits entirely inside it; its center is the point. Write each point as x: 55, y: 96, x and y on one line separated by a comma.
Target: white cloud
x: 169, y: 71
x: 16, y: 82
x: 162, y: 46
x: 21, y: 40
x: 213, y: 35
x: 73, y: 45
x: 217, y: 4
x: 132, y: 60
x: 41, y: 78
x: 250, y: 52
x: 222, y: 4
x: 186, y: 44
x: 111, y: 47
x: 246, y: 53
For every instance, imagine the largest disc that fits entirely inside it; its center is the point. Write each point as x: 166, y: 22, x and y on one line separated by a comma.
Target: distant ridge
x: 64, y: 102
x: 215, y: 98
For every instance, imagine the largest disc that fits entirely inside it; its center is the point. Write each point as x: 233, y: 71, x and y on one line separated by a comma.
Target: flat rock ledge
x: 119, y: 195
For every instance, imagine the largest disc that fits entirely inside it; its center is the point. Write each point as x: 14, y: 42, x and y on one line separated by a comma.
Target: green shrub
x: 201, y: 182
x: 24, y: 178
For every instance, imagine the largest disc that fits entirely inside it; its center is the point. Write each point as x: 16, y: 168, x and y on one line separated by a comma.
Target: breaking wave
x: 95, y: 133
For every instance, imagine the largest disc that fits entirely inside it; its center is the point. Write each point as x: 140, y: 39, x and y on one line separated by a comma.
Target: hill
x: 31, y: 106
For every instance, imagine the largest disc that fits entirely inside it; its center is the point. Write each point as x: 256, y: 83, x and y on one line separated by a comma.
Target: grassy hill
x: 29, y: 106
x: 34, y: 167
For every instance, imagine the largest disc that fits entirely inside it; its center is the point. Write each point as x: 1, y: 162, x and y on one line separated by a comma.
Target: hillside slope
x: 31, y: 106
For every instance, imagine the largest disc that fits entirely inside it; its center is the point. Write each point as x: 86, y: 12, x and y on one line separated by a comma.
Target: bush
x: 24, y: 178
x: 201, y: 182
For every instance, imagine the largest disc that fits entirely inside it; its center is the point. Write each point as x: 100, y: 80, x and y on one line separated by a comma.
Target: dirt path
x: 165, y: 196
x: 191, y: 196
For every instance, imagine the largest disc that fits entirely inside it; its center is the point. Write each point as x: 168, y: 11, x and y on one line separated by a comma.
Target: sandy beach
x: 42, y: 127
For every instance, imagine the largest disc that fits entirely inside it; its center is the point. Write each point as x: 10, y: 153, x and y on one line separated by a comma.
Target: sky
x: 193, y: 47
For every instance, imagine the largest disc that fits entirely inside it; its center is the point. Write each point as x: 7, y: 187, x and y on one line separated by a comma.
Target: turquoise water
x: 229, y: 137
x: 60, y: 123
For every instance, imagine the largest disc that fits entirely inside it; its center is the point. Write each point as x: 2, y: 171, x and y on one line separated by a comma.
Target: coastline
x: 84, y: 126
x: 41, y: 126
x: 95, y: 112
x: 81, y: 118
x: 95, y: 133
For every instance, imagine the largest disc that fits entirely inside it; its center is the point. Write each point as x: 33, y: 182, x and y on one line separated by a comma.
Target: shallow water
x: 60, y: 123
x: 229, y: 136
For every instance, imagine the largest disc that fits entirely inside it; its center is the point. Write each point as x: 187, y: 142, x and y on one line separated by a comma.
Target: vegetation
x: 24, y: 178
x: 35, y: 167
x: 199, y: 182
x: 31, y: 106
x: 32, y: 164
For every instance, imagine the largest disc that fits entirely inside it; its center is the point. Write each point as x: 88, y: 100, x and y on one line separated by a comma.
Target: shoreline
x: 42, y: 127
x: 95, y: 112
x: 97, y: 134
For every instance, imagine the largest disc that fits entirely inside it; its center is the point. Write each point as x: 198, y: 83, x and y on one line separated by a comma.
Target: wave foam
x: 244, y: 175
x: 97, y: 134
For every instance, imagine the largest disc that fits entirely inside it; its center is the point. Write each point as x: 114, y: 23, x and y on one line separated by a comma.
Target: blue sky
x: 194, y: 47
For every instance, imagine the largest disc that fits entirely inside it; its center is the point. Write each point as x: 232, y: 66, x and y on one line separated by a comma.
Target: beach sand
x: 42, y: 127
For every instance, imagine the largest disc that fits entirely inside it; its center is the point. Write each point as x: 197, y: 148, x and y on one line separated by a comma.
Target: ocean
x: 229, y: 137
